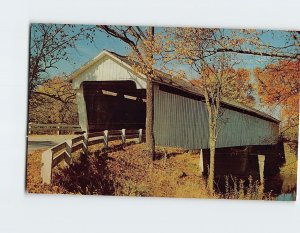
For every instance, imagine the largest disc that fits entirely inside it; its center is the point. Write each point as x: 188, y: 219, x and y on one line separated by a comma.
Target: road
x: 36, y: 142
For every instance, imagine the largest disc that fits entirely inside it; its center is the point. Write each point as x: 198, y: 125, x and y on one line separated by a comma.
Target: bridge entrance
x: 114, y: 105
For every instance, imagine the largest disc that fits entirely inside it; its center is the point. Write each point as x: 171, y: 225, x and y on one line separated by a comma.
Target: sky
x: 86, y: 51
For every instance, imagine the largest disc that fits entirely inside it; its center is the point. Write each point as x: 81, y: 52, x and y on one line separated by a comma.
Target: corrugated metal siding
x: 107, y: 69
x: 183, y: 122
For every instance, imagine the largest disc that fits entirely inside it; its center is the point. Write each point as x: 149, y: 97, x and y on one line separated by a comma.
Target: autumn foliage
x: 238, y: 85
x: 278, y: 86
x: 53, y: 102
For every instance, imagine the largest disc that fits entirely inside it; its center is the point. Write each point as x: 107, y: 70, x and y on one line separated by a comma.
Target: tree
x: 250, y: 42
x: 49, y: 45
x: 218, y: 81
x: 239, y: 88
x: 217, y: 78
x: 144, y: 46
x: 55, y: 103
x: 279, y: 86
x: 200, y: 47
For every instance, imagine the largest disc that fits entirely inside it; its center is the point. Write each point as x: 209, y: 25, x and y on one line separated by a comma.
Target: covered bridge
x: 111, y: 95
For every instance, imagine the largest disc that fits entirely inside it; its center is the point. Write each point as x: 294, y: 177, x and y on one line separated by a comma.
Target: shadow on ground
x: 90, y: 174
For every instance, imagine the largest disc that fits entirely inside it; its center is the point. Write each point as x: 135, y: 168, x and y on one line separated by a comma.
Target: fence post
x: 123, y: 136
x: 106, y: 139
x: 140, y: 135
x: 261, y: 163
x: 201, y: 166
x: 58, y: 127
x: 165, y: 157
x: 29, y: 128
x: 46, y: 169
x: 68, y: 157
x: 85, y: 143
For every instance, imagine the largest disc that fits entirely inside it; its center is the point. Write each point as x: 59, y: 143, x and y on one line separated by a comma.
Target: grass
x: 253, y: 190
x: 128, y: 171
x: 288, y: 171
x: 33, y: 178
x: 290, y: 166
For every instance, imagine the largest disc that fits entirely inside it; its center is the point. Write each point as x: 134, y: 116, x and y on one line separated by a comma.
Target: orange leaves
x: 239, y: 87
x: 235, y: 84
x: 53, y: 102
x: 279, y: 85
x: 148, y: 47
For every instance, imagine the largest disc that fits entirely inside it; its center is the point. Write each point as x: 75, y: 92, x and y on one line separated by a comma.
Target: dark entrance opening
x: 114, y: 105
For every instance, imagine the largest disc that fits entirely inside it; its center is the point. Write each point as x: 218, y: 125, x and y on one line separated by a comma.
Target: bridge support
x: 201, y: 166
x: 261, y: 163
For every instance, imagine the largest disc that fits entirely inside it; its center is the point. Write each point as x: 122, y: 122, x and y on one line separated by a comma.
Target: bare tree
x: 49, y: 45
x: 250, y: 42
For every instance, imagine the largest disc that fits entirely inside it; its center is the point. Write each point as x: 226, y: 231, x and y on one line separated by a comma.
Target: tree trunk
x: 212, y: 149
x: 150, y: 142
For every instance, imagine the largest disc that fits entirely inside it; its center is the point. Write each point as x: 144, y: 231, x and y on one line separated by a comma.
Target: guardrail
x: 53, y: 128
x: 63, y: 152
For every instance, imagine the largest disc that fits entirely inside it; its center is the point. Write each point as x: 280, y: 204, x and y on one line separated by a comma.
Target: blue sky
x: 86, y: 51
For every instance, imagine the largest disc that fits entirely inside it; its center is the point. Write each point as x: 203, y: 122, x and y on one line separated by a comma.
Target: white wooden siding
x: 108, y: 69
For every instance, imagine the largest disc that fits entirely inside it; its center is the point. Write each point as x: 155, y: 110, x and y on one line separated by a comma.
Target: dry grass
x: 33, y: 177
x: 128, y: 171
x: 288, y: 172
x: 290, y: 166
x: 175, y: 176
x: 123, y: 171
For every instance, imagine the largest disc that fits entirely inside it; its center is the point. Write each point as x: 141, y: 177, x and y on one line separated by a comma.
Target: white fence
x: 63, y: 152
x: 52, y: 128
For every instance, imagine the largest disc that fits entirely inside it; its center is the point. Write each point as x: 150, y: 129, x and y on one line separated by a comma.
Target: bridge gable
x: 107, y: 68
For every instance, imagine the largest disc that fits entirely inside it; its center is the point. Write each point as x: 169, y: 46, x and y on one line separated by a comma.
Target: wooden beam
x: 104, y: 92
x: 130, y: 97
